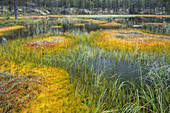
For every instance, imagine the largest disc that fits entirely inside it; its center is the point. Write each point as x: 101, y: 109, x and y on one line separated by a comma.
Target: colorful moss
x: 56, y: 26
x: 10, y: 28
x: 79, y: 24
x: 38, y: 20
x: 51, y: 92
x: 99, y: 22
x: 50, y: 44
x: 112, y: 24
x: 2, y: 30
x: 132, y: 41
x: 59, y: 21
x: 155, y: 24
x: 74, y: 19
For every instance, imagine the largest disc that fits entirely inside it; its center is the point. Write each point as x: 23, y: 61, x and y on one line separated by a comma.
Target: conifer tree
x: 15, y: 9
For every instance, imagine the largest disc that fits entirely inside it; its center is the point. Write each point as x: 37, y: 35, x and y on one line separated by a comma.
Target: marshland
x: 84, y: 63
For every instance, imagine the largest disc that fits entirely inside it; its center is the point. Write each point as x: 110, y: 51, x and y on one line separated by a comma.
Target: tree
x: 83, y: 5
x: 108, y: 6
x: 96, y: 4
x: 39, y: 5
x: 56, y: 2
x: 104, y: 5
x: 1, y: 7
x: 132, y: 7
x: 135, y: 6
x: 15, y: 9
x: 115, y: 5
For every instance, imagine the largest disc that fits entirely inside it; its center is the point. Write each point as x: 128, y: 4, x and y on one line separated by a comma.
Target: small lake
x: 85, y: 25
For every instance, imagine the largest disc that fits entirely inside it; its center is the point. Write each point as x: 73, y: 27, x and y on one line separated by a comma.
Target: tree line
x: 104, y: 6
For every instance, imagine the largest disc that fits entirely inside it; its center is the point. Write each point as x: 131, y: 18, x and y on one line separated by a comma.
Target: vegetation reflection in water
x: 83, y: 25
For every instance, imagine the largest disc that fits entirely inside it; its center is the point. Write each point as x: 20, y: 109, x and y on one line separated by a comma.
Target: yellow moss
x: 57, y: 94
x: 154, y: 24
x: 112, y: 24
x: 56, y: 26
x: 10, y: 28
x: 74, y: 19
x: 49, y: 38
x: 89, y: 20
x: 38, y: 20
x: 2, y: 30
x: 100, y: 22
x: 120, y: 19
x: 85, y: 17
x: 59, y: 20
x: 53, y: 47
x: 147, y: 43
x: 79, y: 24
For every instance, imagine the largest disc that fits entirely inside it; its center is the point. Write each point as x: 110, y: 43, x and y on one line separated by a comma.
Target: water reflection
x: 92, y: 24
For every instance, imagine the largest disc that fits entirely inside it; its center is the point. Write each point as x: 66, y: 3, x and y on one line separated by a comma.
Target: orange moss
x: 147, y: 43
x: 89, y: 20
x: 2, y: 30
x: 50, y: 43
x: 111, y: 24
x: 38, y: 20
x: 57, y: 93
x: 79, y: 24
x: 56, y: 26
x: 99, y: 22
x: 159, y: 24
x: 74, y: 19
x: 10, y: 28
x: 59, y: 21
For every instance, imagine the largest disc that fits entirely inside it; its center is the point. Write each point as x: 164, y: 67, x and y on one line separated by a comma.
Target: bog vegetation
x: 85, y: 64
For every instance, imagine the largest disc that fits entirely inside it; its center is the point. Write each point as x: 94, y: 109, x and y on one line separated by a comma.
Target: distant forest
x: 87, y: 6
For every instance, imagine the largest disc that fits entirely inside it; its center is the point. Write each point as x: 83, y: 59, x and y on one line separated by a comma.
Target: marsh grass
x: 90, y: 70
x: 108, y: 80
x: 14, y: 22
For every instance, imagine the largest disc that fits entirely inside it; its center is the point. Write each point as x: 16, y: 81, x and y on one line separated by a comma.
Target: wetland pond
x: 96, y: 60
x: 81, y: 25
x: 86, y: 64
